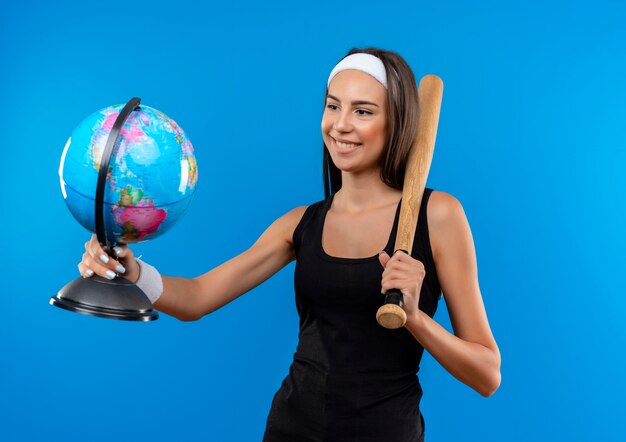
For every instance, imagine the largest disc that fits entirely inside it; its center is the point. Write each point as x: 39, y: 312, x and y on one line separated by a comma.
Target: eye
x: 365, y: 112
x: 331, y: 106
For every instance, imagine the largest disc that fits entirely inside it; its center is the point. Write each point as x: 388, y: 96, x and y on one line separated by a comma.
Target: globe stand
x: 96, y: 296
x: 114, y: 299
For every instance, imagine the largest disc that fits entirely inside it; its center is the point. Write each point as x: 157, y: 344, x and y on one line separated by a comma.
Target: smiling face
x: 354, y: 121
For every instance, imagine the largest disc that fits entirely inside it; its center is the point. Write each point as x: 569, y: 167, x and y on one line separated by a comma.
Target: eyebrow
x: 354, y: 102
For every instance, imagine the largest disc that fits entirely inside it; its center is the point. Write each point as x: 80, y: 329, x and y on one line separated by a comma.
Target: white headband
x: 370, y: 64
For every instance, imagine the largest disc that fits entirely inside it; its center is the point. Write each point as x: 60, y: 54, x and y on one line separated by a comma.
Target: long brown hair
x: 401, y: 123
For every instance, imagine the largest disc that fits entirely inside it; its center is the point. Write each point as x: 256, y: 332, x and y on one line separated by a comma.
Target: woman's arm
x: 190, y: 299
x: 471, y: 354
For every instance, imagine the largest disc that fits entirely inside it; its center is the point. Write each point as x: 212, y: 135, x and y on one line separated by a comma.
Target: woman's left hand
x: 405, y: 273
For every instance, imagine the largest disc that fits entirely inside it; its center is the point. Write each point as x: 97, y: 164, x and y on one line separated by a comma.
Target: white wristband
x: 149, y: 281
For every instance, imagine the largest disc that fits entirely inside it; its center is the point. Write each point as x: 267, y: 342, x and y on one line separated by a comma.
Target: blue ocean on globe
x: 151, y: 178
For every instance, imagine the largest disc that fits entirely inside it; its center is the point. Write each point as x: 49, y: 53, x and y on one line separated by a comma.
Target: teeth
x: 345, y: 145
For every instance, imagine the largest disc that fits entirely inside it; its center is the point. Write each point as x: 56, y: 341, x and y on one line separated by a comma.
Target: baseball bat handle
x: 391, y: 314
x: 394, y: 296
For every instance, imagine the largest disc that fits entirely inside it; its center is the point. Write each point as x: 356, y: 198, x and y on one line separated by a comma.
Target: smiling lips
x: 346, y: 147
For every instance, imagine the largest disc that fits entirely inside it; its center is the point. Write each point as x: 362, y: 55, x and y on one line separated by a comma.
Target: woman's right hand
x: 95, y: 260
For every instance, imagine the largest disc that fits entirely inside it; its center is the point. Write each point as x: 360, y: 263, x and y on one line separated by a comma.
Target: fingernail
x: 88, y: 272
x: 120, y: 269
x: 117, y: 250
x: 110, y: 274
x: 104, y: 258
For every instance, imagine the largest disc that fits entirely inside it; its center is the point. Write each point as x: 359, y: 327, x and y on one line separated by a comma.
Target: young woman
x: 352, y: 379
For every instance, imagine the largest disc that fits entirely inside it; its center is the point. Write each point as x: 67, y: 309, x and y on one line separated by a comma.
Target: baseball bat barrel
x: 429, y: 94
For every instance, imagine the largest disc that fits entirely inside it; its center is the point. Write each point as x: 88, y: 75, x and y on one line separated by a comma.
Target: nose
x: 343, y: 122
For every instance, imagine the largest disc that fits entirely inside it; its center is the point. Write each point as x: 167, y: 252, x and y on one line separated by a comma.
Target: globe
x: 151, y: 178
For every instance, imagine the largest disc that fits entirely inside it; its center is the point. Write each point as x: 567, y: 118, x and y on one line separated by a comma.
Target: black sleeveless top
x: 351, y: 379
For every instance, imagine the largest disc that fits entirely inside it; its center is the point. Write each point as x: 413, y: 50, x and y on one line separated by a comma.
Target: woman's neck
x: 363, y: 192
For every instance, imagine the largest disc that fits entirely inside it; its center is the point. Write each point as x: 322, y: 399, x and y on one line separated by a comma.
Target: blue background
x: 530, y: 140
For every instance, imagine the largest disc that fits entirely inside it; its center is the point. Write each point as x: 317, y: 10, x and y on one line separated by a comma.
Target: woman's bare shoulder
x: 442, y: 205
x: 291, y: 219
x: 444, y: 214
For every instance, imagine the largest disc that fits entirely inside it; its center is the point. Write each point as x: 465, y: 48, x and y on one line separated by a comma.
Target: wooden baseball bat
x: 429, y: 94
